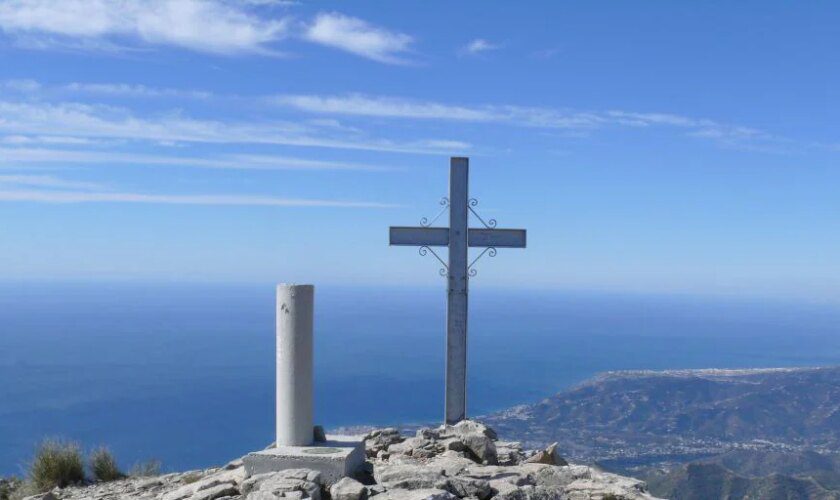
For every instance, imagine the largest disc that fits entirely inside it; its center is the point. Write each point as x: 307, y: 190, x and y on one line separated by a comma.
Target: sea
x: 184, y: 373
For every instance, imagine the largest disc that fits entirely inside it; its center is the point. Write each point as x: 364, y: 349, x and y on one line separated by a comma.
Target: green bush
x: 56, y: 463
x: 8, y: 486
x: 145, y: 469
x: 103, y: 466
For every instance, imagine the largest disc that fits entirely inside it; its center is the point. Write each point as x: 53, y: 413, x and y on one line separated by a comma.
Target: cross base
x: 335, y: 458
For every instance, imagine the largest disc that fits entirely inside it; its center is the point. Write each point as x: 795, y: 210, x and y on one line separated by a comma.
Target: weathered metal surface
x: 456, y: 313
x: 422, y: 236
x: 459, y: 238
x: 499, y: 238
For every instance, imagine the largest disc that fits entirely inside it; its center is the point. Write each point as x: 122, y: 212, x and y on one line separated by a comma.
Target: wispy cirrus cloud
x: 527, y: 116
x: 36, y: 120
x: 21, y: 85
x: 393, y: 107
x: 46, y: 181
x: 26, y: 156
x: 211, y: 26
x: 359, y: 37
x: 477, y: 46
x: 35, y: 88
x: 96, y: 121
x: 52, y: 189
x: 45, y: 139
x: 133, y: 90
x: 397, y: 107
x: 43, y: 196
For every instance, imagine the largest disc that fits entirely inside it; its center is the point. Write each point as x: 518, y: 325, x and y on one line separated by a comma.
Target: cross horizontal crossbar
x: 439, y: 237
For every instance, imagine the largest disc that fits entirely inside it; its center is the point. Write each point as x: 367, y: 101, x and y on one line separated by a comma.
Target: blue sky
x: 675, y: 147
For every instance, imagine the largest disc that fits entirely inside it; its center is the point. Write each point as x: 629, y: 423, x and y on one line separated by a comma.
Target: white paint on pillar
x: 295, y: 307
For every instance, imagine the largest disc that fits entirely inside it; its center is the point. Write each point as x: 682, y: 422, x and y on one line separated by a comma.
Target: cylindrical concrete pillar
x: 294, y: 364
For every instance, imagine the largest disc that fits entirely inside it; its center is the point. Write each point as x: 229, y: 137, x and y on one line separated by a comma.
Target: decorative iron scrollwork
x: 490, y: 251
x: 444, y: 202
x: 424, y: 250
x: 490, y: 224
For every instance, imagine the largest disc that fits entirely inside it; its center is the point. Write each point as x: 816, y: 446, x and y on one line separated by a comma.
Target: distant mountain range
x: 762, y: 433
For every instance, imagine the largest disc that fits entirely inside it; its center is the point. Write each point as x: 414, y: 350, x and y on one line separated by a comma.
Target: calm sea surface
x: 184, y: 374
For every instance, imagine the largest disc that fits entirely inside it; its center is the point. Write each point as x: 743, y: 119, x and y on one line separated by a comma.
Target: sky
x: 654, y: 147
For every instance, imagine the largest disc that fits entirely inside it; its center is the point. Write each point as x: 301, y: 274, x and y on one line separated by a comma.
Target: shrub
x: 145, y: 469
x: 8, y: 486
x: 103, y: 466
x: 56, y: 463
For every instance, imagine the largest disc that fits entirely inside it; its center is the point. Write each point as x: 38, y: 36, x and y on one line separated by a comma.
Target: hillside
x: 770, y: 431
x: 704, y: 481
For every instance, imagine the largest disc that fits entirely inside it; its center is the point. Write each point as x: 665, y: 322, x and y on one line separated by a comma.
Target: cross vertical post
x: 455, y: 407
x: 458, y: 270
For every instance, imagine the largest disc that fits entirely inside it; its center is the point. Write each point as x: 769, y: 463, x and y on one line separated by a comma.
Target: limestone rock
x: 416, y: 446
x: 548, y: 456
x: 467, y: 427
x: 474, y: 438
x: 380, y: 440
x: 215, y: 492
x: 469, y: 487
x: 291, y: 483
x: 230, y: 478
x: 424, y: 494
x: 533, y: 493
x: 348, y: 489
x: 407, y: 477
x: 604, y: 484
x: 253, y: 482
x: 233, y: 464
x: 451, y: 463
x: 509, y: 452
x: 374, y: 489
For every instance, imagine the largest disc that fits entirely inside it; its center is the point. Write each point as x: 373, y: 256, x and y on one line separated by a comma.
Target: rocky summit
x: 445, y: 463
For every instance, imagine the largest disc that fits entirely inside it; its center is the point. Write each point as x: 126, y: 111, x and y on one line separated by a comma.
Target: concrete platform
x: 337, y: 457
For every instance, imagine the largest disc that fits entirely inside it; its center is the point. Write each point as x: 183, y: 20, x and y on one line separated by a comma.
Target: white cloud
x: 88, y: 121
x: 539, y: 117
x: 27, y: 156
x: 358, y: 37
x: 27, y: 86
x: 477, y: 46
x: 40, y: 121
x: 44, y: 139
x: 45, y: 181
x: 36, y: 88
x: 395, y: 107
x: 211, y: 26
x: 50, y: 189
x: 129, y: 90
x: 41, y: 196
x: 358, y: 104
x: 202, y: 25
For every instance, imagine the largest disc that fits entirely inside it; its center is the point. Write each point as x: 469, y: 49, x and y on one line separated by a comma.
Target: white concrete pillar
x: 294, y: 364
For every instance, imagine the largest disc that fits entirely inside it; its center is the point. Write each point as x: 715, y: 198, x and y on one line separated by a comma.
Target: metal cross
x: 458, y: 237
